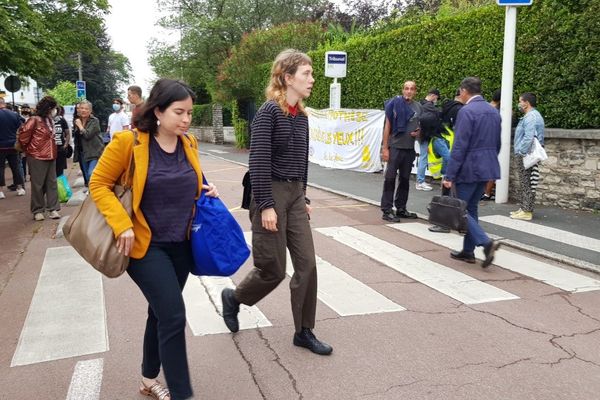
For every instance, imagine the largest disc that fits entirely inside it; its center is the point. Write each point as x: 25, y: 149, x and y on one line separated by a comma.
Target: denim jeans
x: 422, y: 165
x: 471, y: 193
x: 161, y: 275
x: 440, y: 146
x: 89, y: 168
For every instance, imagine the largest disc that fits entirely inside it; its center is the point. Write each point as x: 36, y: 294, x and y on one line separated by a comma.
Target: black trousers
x: 399, y: 166
x: 161, y: 275
x: 13, y: 162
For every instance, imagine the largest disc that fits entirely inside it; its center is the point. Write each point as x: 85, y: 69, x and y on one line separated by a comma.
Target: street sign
x: 12, y: 83
x: 80, y: 85
x: 514, y: 2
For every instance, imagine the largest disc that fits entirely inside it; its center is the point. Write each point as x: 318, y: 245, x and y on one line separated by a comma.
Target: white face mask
x: 54, y: 112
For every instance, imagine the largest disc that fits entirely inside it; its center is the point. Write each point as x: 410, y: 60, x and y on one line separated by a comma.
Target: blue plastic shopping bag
x: 218, y: 243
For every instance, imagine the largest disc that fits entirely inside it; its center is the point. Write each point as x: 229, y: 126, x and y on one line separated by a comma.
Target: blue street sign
x: 514, y: 2
x: 80, y: 85
x: 81, y: 93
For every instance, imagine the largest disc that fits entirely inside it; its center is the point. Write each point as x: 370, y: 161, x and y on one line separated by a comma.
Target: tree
x: 64, y: 92
x: 36, y: 34
x: 103, y: 70
x: 210, y: 28
x: 241, y: 75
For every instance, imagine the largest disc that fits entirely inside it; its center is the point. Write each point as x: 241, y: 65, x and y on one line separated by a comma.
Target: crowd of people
x: 464, y: 135
x: 36, y: 144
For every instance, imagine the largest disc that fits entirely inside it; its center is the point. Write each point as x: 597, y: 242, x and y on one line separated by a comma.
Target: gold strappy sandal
x: 156, y: 391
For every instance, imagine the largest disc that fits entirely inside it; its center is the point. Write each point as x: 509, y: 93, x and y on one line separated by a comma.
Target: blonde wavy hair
x: 286, y: 62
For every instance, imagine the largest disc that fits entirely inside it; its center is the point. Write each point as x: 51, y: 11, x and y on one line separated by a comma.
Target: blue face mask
x: 116, y: 107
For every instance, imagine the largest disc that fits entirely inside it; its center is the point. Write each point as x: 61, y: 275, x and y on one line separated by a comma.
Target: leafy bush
x: 240, y: 127
x: 556, y: 58
x: 240, y: 76
x: 202, y: 115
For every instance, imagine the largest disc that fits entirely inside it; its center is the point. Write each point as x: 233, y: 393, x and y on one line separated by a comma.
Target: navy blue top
x: 399, y: 112
x: 474, y: 155
x: 9, y: 123
x: 169, y: 194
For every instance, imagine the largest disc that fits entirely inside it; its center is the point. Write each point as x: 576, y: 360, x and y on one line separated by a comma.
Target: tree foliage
x: 64, y: 92
x: 239, y: 77
x: 210, y: 28
x: 104, y: 70
x: 36, y: 34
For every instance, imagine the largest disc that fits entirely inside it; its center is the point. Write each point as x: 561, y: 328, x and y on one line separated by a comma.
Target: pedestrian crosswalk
x: 546, y: 232
x: 528, y: 266
x: 69, y: 287
x: 452, y: 283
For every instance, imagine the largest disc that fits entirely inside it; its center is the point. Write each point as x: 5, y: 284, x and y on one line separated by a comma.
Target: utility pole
x: 508, y: 70
x: 80, y: 66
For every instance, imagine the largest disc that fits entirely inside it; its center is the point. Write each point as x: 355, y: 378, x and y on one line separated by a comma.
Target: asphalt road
x: 463, y: 332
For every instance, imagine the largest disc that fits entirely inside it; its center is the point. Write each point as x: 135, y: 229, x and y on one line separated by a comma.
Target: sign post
x: 12, y: 84
x: 508, y: 67
x: 335, y: 67
x: 80, y: 85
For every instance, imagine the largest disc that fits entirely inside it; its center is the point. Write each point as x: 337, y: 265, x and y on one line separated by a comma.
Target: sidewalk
x: 367, y: 188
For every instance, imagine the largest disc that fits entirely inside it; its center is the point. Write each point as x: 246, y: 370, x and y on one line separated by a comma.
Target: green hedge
x: 202, y: 115
x: 557, y: 58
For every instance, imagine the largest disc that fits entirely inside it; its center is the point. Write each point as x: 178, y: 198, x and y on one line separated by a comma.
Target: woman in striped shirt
x: 279, y: 210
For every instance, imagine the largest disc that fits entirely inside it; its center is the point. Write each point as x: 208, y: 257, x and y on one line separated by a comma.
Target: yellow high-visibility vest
x: 434, y: 162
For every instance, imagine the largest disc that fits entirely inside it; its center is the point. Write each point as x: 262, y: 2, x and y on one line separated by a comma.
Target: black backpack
x: 430, y: 120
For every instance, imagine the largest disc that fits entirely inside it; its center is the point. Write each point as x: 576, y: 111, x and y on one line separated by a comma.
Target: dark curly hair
x: 46, y: 104
x: 163, y: 94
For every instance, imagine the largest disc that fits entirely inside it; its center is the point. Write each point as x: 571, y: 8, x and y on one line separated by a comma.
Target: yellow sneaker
x: 523, y: 215
x: 516, y: 212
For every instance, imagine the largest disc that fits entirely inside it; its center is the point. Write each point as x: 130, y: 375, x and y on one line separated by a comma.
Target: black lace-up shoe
x: 406, y: 214
x: 308, y: 340
x: 462, y: 256
x: 231, y: 308
x: 390, y: 216
x: 489, y: 250
x: 438, y: 229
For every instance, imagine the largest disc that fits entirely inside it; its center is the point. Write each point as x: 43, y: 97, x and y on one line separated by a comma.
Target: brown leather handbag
x: 91, y: 236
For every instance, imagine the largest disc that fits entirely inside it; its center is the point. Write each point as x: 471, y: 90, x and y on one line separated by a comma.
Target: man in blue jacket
x: 473, y: 162
x: 9, y: 124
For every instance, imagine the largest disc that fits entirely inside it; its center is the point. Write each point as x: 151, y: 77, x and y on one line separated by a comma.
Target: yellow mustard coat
x: 113, y: 163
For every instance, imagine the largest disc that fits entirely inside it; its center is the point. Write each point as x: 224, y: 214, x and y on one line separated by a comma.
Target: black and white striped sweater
x: 270, y: 157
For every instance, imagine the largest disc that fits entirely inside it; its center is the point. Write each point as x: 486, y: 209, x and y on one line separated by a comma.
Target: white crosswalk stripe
x: 546, y: 232
x: 521, y: 264
x: 202, y: 296
x: 86, y: 380
x: 67, y: 317
x: 341, y: 292
x: 443, y: 279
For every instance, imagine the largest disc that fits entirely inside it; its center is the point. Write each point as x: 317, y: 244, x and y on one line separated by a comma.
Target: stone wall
x: 207, y: 134
x: 570, y: 178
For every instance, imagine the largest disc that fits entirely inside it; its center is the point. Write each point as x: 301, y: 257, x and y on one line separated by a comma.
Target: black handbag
x: 449, y: 212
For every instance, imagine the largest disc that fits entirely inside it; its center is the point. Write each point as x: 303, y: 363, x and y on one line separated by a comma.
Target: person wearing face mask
x: 117, y: 121
x: 167, y: 181
x: 530, y: 126
x: 36, y: 138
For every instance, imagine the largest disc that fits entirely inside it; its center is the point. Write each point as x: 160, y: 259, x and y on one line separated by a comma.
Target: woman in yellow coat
x: 167, y: 180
